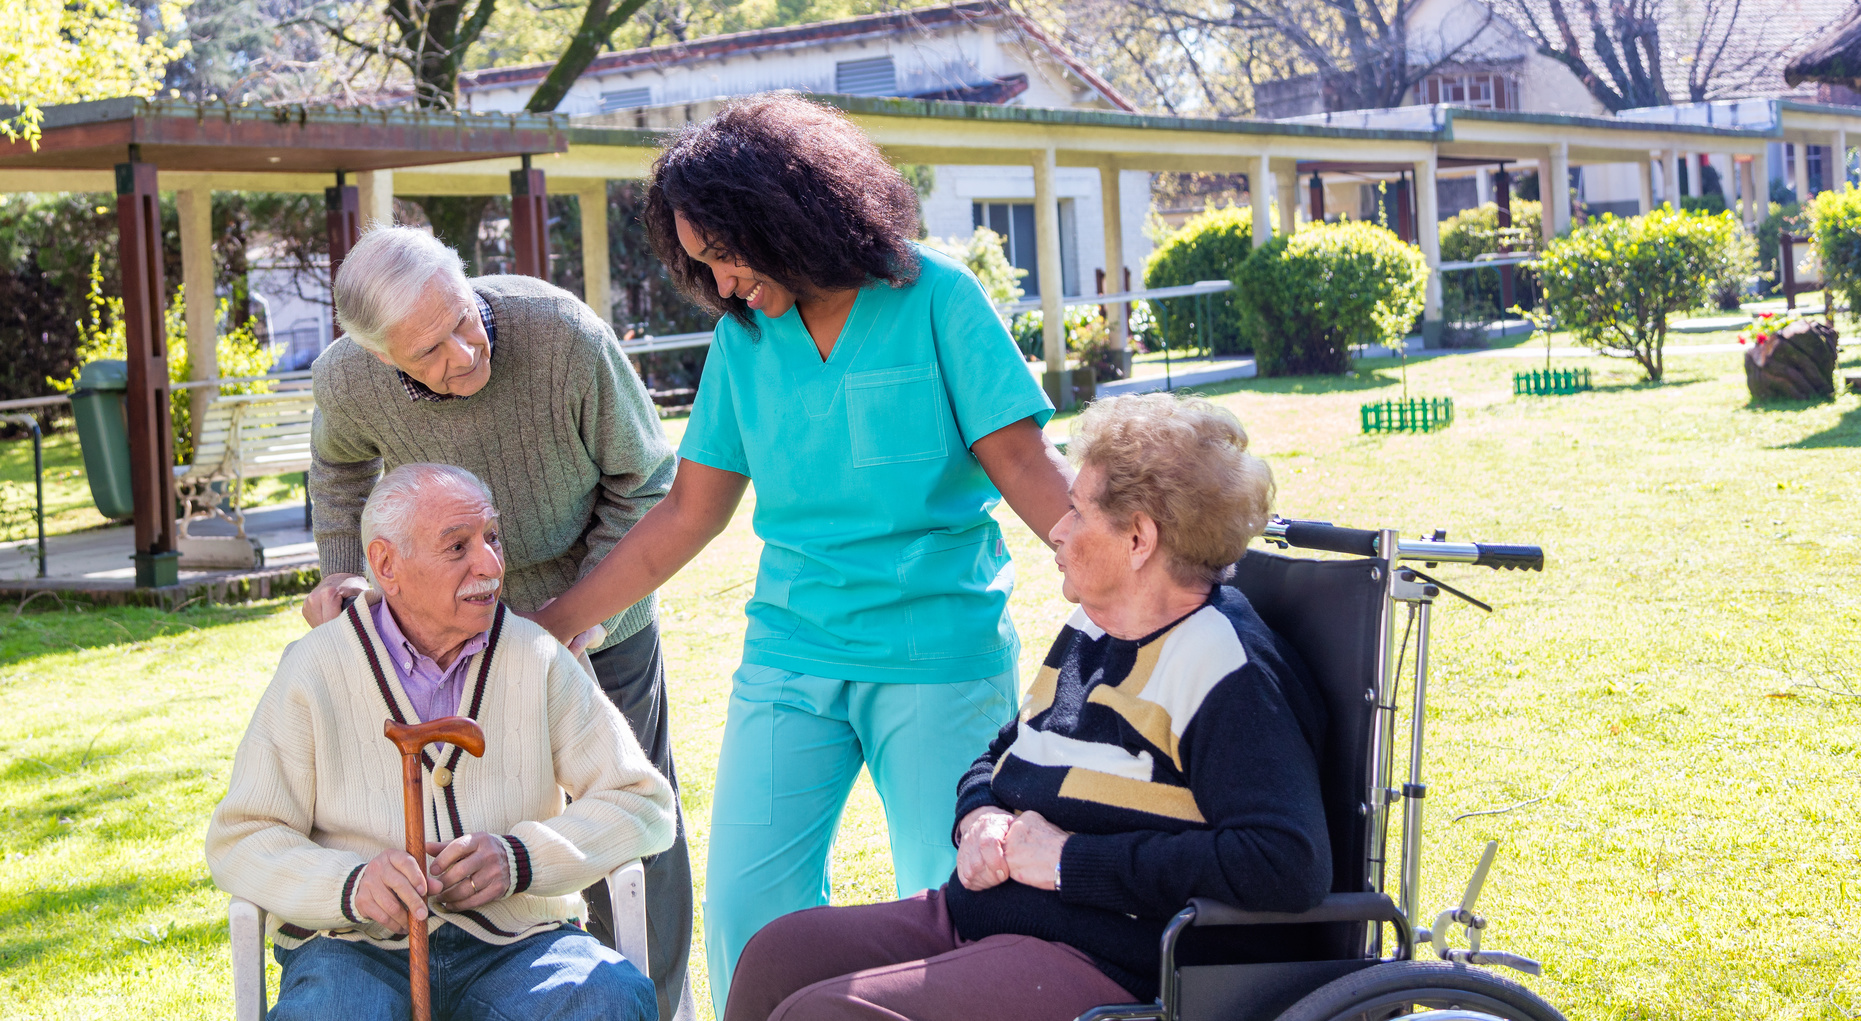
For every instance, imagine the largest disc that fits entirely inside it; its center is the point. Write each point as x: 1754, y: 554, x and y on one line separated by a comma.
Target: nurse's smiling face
x: 734, y: 279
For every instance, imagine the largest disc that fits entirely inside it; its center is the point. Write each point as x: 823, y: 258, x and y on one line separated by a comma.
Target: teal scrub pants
x: 793, y: 745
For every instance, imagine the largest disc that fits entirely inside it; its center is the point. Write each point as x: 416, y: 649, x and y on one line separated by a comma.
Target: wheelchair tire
x: 1388, y: 991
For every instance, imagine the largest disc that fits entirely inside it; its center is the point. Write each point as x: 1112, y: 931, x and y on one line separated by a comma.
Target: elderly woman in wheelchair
x: 1167, y: 749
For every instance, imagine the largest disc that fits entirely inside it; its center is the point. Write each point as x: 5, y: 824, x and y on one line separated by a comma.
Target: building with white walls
x: 978, y: 52
x: 1488, y: 61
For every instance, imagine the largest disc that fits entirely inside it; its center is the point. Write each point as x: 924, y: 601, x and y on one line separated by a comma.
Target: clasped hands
x: 467, y: 872
x: 996, y: 845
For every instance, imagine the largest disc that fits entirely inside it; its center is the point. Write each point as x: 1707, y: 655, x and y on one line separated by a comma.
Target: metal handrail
x: 1075, y: 301
x: 24, y: 403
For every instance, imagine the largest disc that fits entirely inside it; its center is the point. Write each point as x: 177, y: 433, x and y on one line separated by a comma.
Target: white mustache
x: 487, y: 587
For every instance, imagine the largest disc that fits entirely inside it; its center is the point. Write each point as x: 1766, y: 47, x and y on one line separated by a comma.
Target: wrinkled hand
x: 469, y: 870
x: 390, y: 886
x: 579, y: 642
x: 1033, y: 850
x: 325, y: 601
x: 981, y: 859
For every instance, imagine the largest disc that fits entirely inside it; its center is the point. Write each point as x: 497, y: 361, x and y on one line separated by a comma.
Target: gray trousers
x: 632, y: 675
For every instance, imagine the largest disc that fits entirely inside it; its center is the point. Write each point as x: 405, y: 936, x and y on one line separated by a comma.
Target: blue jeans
x: 561, y: 975
x: 793, y: 746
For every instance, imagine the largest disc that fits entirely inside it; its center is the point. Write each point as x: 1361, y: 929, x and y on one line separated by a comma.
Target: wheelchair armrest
x: 246, y: 927
x: 626, y: 886
x: 1336, y: 907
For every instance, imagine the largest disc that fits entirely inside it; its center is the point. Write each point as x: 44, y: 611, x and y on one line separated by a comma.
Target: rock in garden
x: 1795, y: 363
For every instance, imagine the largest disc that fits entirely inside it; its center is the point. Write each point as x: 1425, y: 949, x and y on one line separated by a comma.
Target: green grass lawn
x: 1673, y: 704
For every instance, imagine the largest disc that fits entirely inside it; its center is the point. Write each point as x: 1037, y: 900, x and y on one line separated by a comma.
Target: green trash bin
x: 98, y: 405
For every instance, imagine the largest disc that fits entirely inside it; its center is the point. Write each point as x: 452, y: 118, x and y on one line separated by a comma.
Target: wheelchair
x: 1360, y: 624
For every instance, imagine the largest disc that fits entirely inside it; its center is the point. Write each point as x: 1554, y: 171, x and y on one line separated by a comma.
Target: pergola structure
x: 137, y: 147
x: 203, y: 148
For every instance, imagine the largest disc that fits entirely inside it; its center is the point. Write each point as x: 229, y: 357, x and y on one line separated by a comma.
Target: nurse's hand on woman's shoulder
x: 981, y: 853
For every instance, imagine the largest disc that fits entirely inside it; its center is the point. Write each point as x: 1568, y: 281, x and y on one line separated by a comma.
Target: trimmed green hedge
x: 1307, y: 298
x: 1209, y: 246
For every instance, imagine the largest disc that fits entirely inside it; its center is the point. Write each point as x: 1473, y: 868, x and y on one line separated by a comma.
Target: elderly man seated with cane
x: 311, y: 828
x: 1167, y: 749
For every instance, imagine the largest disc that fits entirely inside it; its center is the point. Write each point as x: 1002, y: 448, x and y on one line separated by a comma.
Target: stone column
x: 1286, y: 188
x: 1560, y: 185
x: 1799, y: 170
x: 1695, y: 186
x: 1111, y: 204
x: 1262, y: 209
x: 1747, y: 188
x: 195, y: 208
x: 1547, y: 223
x: 595, y: 270
x: 375, y: 188
x: 1670, y: 177
x: 1761, y: 183
x: 1057, y: 380
x: 1428, y: 231
x: 1838, y: 161
x: 1644, y: 180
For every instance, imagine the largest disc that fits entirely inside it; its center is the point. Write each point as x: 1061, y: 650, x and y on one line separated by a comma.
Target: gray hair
x: 389, y: 513
x: 381, y: 279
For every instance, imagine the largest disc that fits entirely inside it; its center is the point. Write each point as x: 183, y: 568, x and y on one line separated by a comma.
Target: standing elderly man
x: 519, y: 382
x: 311, y: 826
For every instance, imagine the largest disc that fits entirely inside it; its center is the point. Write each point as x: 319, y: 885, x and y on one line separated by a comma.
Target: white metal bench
x: 626, y: 885
x: 241, y: 436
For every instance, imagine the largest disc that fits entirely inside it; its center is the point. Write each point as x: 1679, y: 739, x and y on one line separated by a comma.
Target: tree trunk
x: 455, y: 220
x: 1796, y: 363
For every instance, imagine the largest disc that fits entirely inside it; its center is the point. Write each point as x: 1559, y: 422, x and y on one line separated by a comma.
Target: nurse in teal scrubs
x: 867, y: 388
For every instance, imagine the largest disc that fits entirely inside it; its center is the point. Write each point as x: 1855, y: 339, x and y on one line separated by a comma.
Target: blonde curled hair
x: 1184, y: 462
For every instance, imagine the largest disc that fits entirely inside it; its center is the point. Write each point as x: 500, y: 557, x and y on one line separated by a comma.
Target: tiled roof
x: 792, y: 36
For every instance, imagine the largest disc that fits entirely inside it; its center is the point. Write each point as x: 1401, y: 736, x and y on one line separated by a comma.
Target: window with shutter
x: 872, y: 77
x: 626, y: 99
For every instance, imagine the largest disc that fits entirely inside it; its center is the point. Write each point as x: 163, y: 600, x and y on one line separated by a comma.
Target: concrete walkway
x: 98, y: 561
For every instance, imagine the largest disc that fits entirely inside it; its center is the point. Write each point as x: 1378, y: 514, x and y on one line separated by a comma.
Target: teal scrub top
x: 880, y: 559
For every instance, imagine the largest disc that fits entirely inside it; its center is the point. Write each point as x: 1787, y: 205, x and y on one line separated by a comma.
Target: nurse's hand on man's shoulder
x: 592, y: 636
x: 325, y: 601
x: 981, y: 853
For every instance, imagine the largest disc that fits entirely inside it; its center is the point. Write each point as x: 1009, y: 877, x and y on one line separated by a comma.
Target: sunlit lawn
x: 1672, y: 704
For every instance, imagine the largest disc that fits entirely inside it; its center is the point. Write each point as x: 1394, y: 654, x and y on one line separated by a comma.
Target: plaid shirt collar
x: 418, y: 391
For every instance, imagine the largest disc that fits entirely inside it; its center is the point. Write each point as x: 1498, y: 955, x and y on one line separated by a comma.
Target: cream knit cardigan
x: 316, y: 789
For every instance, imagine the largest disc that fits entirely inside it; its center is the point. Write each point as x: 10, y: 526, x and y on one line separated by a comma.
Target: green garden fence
x: 1550, y: 382
x: 1414, y: 415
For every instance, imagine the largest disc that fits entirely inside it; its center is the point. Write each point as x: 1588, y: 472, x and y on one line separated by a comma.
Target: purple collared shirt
x: 433, y: 691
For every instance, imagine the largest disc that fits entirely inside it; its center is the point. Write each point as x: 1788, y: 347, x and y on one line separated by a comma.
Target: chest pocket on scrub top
x: 896, y: 415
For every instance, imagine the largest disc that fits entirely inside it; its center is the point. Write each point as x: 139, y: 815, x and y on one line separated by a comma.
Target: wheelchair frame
x: 1403, y: 588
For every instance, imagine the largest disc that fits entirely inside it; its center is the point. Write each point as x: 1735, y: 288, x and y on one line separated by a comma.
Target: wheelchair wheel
x: 1409, y: 988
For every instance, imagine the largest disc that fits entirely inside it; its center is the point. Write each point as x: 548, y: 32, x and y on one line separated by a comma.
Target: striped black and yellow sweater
x: 1184, y: 764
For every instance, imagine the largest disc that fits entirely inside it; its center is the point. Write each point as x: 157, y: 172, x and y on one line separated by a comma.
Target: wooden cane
x: 410, y: 739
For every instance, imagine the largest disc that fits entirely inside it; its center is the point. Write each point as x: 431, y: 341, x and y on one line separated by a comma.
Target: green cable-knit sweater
x: 564, y: 434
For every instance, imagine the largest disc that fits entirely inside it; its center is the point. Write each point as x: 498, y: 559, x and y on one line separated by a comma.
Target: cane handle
x: 458, y: 731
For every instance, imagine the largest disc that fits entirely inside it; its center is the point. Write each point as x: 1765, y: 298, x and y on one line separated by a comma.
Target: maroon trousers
x: 903, y: 961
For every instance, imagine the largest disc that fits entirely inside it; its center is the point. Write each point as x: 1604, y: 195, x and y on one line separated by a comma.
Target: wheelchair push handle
x: 1363, y: 542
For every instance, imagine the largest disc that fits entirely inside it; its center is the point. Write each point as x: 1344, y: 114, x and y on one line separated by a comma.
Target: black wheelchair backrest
x: 1328, y: 610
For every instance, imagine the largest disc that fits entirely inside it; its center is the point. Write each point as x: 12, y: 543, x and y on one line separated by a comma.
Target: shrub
x: 237, y: 351
x: 982, y: 252
x: 1614, y: 282
x: 1837, y: 219
x: 1210, y: 246
x: 1475, y: 293
x: 1307, y: 298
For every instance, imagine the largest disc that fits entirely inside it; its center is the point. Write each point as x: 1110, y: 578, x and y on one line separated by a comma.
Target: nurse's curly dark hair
x: 790, y: 187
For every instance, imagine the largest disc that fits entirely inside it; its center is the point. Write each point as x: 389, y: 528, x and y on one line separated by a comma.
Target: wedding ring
x: 474, y: 883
